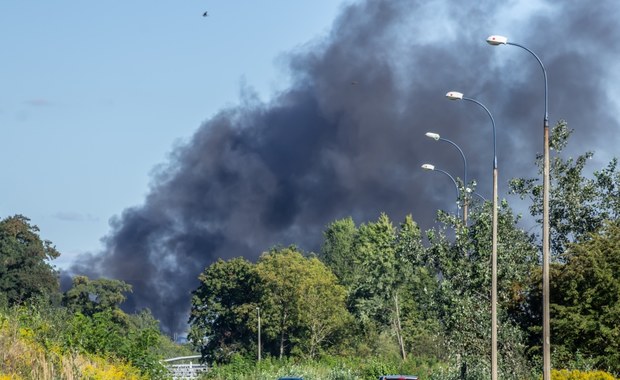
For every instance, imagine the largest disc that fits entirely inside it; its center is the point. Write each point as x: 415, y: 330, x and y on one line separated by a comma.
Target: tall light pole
x: 501, y: 40
x: 456, y: 186
x: 258, y: 311
x: 437, y: 137
x: 453, y: 95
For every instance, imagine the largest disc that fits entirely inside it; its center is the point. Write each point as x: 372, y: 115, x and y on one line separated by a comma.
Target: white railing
x: 185, y: 371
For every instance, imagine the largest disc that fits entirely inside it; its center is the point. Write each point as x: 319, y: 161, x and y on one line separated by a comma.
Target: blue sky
x: 94, y: 95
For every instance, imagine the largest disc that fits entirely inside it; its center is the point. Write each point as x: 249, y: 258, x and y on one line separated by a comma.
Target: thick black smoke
x: 347, y: 137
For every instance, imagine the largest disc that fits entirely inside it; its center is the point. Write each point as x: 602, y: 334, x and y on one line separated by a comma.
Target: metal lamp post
x: 456, y: 186
x: 258, y: 311
x: 501, y: 40
x: 437, y: 137
x: 453, y: 95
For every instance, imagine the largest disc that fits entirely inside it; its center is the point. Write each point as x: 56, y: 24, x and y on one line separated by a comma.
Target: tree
x: 221, y: 321
x: 303, y: 304
x: 24, y: 269
x: 414, y: 318
x: 336, y: 251
x: 586, y: 300
x: 323, y: 310
x: 95, y: 296
x: 578, y: 205
x: 373, y: 288
x: 381, y: 266
x: 463, y: 270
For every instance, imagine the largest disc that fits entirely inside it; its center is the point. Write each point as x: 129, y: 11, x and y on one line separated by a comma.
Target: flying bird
x: 205, y: 14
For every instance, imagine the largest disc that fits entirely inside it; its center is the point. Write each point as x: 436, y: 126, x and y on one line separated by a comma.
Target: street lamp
x: 437, y: 137
x: 433, y: 168
x: 501, y: 40
x: 258, y: 311
x: 453, y: 95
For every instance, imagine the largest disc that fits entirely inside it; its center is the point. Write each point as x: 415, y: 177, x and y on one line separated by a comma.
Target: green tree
x: 389, y: 288
x: 323, y: 310
x: 463, y: 270
x: 336, y: 251
x: 578, y: 205
x: 414, y: 318
x: 24, y: 269
x: 221, y: 319
x: 95, y: 296
x: 303, y: 305
x: 586, y: 301
x: 374, y: 284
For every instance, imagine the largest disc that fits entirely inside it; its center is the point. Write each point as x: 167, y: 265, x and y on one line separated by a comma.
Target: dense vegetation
x: 388, y: 293
x: 379, y: 297
x: 82, y: 333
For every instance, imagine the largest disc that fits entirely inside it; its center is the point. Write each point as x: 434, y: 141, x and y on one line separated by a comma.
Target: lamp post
x: 258, y: 311
x: 437, y: 137
x: 456, y: 186
x: 501, y: 40
x: 453, y: 95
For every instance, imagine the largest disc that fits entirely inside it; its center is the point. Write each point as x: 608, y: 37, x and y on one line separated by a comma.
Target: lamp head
x: 428, y: 167
x: 434, y: 136
x: 454, y: 95
x: 497, y: 40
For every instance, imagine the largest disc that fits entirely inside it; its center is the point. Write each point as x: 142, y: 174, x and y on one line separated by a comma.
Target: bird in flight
x: 205, y: 14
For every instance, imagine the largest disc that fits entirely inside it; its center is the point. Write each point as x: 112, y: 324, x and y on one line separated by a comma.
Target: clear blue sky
x: 94, y: 95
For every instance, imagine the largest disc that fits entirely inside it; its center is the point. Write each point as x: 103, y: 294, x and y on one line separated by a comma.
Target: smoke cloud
x: 347, y: 137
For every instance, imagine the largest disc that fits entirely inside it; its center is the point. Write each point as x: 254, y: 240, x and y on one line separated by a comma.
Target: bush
x: 24, y: 356
x: 579, y: 375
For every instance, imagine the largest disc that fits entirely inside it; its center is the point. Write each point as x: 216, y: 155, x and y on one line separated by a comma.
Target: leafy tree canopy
x: 24, y: 269
x: 94, y: 296
x: 586, y: 300
x: 579, y: 205
x: 222, y: 307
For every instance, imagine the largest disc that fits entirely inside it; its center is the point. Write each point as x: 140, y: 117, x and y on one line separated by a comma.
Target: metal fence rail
x: 184, y: 371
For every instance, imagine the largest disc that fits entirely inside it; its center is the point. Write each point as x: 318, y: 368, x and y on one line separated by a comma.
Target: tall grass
x: 23, y: 356
x: 328, y: 368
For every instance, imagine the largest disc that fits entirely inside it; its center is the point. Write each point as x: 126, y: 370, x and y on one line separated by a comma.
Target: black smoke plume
x: 347, y: 137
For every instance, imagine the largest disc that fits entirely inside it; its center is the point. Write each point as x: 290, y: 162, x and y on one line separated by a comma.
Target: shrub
x: 579, y: 375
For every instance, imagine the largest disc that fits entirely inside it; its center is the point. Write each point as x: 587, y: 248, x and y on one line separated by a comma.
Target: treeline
x: 81, y: 333
x: 381, y: 289
x: 375, y: 294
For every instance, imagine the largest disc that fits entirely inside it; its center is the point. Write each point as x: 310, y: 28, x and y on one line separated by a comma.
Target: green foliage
x: 103, y: 335
x: 387, y: 287
x: 304, y: 307
x: 90, y: 297
x: 578, y: 375
x: 328, y: 368
x: 301, y: 305
x: 24, y: 269
x: 62, y: 334
x: 339, y: 238
x: 462, y: 295
x: 586, y: 300
x: 578, y: 205
x: 223, y: 306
